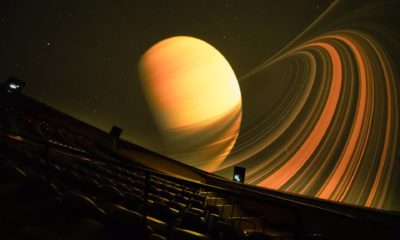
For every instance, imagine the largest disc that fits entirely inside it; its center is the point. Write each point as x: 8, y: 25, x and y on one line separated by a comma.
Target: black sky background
x: 81, y: 57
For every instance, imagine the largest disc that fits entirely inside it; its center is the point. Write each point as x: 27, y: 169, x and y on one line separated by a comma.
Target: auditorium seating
x: 63, y: 194
x: 59, y: 183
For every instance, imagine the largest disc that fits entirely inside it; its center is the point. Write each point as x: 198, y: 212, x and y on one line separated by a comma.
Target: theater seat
x: 194, y: 203
x: 75, y: 217
x: 89, y: 186
x: 133, y: 202
x: 24, y: 202
x: 185, y: 234
x: 77, y: 204
x: 32, y: 232
x: 192, y: 221
x: 223, y: 230
x: 163, y: 212
x: 85, y: 229
x: 177, y: 205
x: 157, y: 225
x: 156, y: 237
x: 123, y: 223
x: 256, y: 235
x: 9, y: 172
x: 110, y: 193
x: 197, y: 211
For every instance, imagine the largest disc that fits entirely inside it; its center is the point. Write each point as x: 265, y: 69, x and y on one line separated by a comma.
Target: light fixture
x: 115, y: 131
x: 239, y: 174
x: 14, y: 85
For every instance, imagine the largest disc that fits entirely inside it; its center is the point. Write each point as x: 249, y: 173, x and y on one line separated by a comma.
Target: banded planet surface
x: 320, y: 118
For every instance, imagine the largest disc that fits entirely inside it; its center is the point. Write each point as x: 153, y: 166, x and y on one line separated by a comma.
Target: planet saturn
x: 195, y: 99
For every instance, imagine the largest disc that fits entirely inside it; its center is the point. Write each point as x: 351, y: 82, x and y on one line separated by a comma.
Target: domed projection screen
x: 319, y: 118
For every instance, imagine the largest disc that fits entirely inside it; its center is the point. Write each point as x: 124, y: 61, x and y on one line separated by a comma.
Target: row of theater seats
x: 52, y: 194
x: 18, y: 120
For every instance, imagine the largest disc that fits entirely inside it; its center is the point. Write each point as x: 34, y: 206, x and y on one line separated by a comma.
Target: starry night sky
x: 81, y: 57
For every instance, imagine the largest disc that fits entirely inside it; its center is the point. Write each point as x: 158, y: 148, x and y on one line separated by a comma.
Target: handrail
x: 251, y: 191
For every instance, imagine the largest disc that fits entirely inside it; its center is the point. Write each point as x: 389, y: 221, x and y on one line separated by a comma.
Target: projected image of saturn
x: 319, y: 118
x: 195, y: 98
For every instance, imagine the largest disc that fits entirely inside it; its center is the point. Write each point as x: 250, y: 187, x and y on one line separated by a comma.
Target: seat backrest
x: 224, y: 229
x: 11, y: 173
x: 192, y: 221
x: 255, y: 235
x: 185, y: 234
x: 78, y: 205
x: 162, y: 212
x: 133, y: 202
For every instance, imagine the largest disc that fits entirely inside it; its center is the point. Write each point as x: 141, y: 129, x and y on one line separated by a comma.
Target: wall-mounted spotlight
x: 239, y: 174
x: 115, y: 133
x: 14, y: 85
